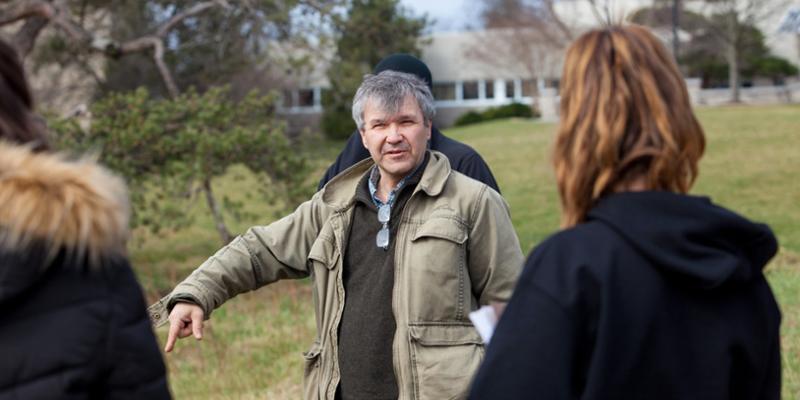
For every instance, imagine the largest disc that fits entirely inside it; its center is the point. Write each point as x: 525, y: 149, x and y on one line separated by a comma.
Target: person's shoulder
x: 586, y: 235
x: 452, y: 148
x: 466, y: 187
x: 573, y: 249
x: 466, y: 182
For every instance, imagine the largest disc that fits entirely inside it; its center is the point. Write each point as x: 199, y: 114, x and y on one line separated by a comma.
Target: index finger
x: 174, y: 327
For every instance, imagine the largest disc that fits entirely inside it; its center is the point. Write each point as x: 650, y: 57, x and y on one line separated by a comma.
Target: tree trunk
x: 732, y: 54
x: 675, y: 25
x: 733, y: 72
x: 219, y: 222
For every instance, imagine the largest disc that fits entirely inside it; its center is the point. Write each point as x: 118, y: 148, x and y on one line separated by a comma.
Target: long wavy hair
x: 625, y: 116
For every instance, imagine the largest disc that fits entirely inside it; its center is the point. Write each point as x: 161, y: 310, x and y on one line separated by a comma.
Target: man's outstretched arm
x: 262, y: 255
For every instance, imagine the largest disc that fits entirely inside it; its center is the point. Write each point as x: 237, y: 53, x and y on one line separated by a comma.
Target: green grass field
x: 252, y: 346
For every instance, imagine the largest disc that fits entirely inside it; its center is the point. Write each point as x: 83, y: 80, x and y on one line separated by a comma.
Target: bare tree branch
x: 19, y: 10
x: 194, y: 10
x: 521, y: 38
x: 157, y: 45
x: 550, y: 6
x: 26, y: 36
x: 596, y: 11
x: 40, y: 13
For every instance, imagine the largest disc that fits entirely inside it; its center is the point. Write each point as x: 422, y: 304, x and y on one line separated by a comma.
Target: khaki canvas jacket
x: 456, y: 249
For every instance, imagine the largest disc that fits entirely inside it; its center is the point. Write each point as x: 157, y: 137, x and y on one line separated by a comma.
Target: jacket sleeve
x: 262, y: 255
x: 532, y: 349
x: 352, y: 153
x: 476, y: 168
x: 133, y: 365
x: 495, y: 257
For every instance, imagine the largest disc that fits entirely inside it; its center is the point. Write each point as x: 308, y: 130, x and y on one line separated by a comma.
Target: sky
x: 449, y: 15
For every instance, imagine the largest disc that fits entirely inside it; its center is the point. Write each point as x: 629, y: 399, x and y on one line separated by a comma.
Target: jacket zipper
x: 398, y: 253
x: 333, y: 380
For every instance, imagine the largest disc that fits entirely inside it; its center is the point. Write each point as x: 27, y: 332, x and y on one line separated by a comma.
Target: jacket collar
x: 340, y: 192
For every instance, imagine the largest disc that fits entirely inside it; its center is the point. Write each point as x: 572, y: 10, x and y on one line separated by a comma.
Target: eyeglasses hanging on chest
x: 384, y: 215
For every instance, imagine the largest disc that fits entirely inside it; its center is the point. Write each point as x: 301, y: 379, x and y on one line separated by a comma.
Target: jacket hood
x: 706, y: 245
x: 51, y: 206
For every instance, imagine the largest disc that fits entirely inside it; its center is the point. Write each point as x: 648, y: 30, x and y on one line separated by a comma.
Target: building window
x: 470, y: 90
x: 444, y: 91
x: 489, y: 89
x: 510, y: 89
x: 305, y: 98
x: 529, y: 88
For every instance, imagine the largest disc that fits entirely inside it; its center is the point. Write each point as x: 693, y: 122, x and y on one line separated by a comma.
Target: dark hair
x: 18, y: 124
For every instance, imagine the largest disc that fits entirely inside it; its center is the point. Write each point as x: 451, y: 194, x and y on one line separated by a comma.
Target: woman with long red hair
x: 647, y: 292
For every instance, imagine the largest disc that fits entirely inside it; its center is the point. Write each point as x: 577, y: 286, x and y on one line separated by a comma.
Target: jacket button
x: 156, y: 316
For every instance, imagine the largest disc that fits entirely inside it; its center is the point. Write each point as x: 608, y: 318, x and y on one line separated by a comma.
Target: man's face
x: 396, y: 142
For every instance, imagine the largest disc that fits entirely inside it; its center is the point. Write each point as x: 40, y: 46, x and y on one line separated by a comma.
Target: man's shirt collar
x: 375, y: 177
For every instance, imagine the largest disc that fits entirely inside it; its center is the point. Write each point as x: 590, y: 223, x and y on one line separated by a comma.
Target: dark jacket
x: 463, y: 158
x: 73, y: 323
x: 657, y: 296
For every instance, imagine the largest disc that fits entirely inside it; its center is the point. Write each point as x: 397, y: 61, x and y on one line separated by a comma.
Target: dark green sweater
x: 367, y: 327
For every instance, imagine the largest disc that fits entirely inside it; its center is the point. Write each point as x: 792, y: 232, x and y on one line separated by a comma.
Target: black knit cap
x: 406, y: 63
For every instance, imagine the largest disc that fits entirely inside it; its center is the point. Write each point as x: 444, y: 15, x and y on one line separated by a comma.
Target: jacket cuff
x: 159, y: 311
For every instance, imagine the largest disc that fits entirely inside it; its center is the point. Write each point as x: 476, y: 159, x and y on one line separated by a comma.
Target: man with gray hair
x: 399, y: 249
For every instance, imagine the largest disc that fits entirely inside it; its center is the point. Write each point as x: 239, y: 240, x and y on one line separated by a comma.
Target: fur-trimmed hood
x: 50, y: 205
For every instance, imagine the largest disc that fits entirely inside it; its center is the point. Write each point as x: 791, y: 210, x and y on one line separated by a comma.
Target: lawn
x: 252, y: 347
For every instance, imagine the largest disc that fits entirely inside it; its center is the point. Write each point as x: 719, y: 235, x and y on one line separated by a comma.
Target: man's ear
x: 429, y: 127
x: 363, y: 141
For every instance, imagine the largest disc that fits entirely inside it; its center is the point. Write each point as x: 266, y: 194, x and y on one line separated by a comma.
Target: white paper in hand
x: 484, y: 320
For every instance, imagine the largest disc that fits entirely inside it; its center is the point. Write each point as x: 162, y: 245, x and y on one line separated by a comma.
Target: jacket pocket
x: 323, y: 257
x: 324, y: 252
x: 447, y: 228
x: 444, y: 358
x: 312, y: 373
x: 439, y: 282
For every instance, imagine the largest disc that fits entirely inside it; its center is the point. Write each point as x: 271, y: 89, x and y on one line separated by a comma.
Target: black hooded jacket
x: 463, y: 158
x: 657, y: 296
x: 73, y: 323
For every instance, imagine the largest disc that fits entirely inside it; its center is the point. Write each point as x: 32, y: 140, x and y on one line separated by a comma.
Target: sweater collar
x: 340, y: 192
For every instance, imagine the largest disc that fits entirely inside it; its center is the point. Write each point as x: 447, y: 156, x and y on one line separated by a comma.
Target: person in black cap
x: 462, y: 158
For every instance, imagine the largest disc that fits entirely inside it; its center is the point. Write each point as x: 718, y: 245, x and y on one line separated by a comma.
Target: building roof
x: 490, y: 54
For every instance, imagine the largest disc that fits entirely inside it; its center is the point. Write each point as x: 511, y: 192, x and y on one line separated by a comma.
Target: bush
x: 507, y: 111
x: 774, y: 67
x: 337, y: 122
x: 169, y: 150
x: 471, y: 117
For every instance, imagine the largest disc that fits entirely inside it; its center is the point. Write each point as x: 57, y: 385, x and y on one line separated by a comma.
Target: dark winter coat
x: 657, y: 296
x: 72, y: 316
x: 463, y: 158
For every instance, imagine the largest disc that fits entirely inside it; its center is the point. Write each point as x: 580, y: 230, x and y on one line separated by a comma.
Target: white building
x: 474, y: 70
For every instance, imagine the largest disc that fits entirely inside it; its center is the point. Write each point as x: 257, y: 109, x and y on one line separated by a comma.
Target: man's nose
x: 394, y: 135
